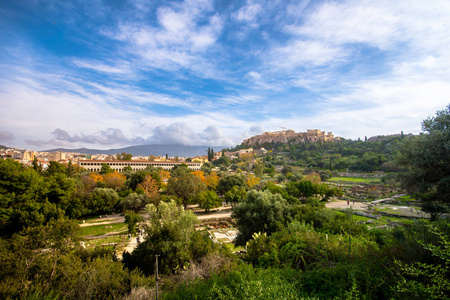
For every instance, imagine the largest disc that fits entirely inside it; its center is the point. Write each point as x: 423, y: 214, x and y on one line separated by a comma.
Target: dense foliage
x: 295, y: 248
x: 427, y: 162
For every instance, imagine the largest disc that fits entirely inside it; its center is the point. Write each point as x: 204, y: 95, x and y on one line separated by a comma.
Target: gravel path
x: 343, y: 204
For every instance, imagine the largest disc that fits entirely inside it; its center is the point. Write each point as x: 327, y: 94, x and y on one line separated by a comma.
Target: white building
x: 136, y: 165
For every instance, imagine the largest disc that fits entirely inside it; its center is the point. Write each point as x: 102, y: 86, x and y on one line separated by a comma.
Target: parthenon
x: 284, y: 136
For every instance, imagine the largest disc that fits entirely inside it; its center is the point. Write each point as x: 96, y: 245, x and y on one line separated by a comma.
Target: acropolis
x: 285, y: 136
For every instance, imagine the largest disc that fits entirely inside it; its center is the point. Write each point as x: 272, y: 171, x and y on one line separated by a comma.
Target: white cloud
x: 248, y: 13
x: 181, y: 133
x: 306, y: 53
x: 255, y: 130
x: 101, y: 67
x: 186, y: 31
x: 213, y: 135
x: 365, y: 22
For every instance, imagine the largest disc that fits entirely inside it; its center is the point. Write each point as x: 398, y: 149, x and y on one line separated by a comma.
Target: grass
x: 116, y: 239
x: 97, y: 230
x: 97, y: 220
x: 355, y: 180
x: 406, y: 198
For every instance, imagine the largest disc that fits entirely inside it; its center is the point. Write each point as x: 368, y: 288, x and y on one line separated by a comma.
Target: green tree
x: 24, y: 198
x: 170, y: 234
x: 222, y: 161
x: 70, y: 169
x: 421, y: 280
x: 131, y: 219
x: 228, y: 182
x: 235, y: 195
x: 134, y: 202
x: 37, y: 165
x: 426, y: 159
x: 105, y: 169
x: 48, y: 262
x: 103, y: 200
x: 259, y: 212
x: 286, y: 169
x: 258, y: 169
x: 208, y: 200
x: 55, y: 168
x: 184, y: 185
x: 124, y: 156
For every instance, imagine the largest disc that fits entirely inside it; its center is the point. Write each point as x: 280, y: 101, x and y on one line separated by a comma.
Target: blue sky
x: 105, y: 74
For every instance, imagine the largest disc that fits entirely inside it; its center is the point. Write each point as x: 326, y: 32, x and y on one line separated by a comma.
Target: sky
x: 115, y: 73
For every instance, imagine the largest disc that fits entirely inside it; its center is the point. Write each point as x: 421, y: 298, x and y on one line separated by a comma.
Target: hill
x: 146, y: 150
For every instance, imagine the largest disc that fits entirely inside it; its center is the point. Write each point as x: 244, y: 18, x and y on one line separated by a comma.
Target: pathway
x: 340, y: 204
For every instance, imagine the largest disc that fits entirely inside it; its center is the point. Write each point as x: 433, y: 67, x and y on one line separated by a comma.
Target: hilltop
x: 290, y: 136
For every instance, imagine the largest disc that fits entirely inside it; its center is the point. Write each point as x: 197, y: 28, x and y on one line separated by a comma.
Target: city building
x: 136, y: 165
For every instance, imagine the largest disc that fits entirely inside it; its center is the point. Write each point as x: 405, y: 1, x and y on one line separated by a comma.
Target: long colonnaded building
x: 136, y: 165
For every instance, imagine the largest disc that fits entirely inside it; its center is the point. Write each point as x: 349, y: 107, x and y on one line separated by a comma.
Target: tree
x: 252, y: 181
x: 258, y: 169
x: 200, y: 174
x: 170, y: 232
x: 114, y: 180
x: 212, y: 180
x: 222, y: 161
x: 426, y: 159
x: 131, y: 219
x: 228, y: 182
x: 259, y: 212
x: 55, y: 168
x: 150, y: 186
x: 124, y: 156
x: 70, y: 169
x: 184, y: 185
x: 48, y: 262
x: 24, y: 198
x: 37, y: 165
x: 208, y: 200
x: 103, y: 200
x: 206, y: 167
x: 420, y: 280
x: 235, y: 195
x: 133, y: 202
x: 286, y: 169
x: 105, y: 169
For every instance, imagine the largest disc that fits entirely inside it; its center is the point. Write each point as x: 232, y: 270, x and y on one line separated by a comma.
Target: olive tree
x: 260, y: 212
x: 426, y: 159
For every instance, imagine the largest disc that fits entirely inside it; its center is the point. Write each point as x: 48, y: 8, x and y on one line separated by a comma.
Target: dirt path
x: 215, y: 215
x: 343, y: 204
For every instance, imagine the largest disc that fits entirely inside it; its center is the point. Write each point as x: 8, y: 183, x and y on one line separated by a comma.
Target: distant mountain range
x: 146, y: 150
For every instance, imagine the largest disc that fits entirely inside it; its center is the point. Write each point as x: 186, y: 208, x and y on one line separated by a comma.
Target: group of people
x: 139, y: 234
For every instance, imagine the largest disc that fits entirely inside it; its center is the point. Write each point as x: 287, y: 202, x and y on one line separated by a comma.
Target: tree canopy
x: 259, y: 212
x: 426, y: 160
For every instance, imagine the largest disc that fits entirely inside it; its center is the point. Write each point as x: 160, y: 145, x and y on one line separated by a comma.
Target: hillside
x: 146, y: 150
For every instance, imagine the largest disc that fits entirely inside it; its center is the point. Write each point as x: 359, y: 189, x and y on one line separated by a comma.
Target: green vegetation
x: 290, y: 246
x: 426, y: 159
x: 96, y: 230
x: 355, y: 179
